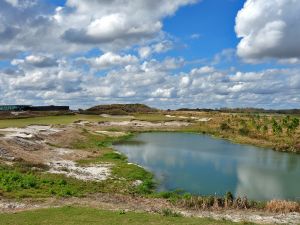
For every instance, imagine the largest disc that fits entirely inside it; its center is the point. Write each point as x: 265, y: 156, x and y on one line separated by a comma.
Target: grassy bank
x: 21, y: 181
x: 77, y: 216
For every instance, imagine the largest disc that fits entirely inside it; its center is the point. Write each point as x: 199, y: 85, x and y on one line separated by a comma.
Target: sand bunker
x: 204, y: 119
x: 117, y: 116
x: 145, y: 124
x: 111, y: 133
x: 28, y: 132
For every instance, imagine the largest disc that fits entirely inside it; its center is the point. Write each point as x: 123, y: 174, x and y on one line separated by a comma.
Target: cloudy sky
x: 164, y: 53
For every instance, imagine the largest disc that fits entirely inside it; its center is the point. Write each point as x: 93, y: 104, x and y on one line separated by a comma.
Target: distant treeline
x: 244, y: 110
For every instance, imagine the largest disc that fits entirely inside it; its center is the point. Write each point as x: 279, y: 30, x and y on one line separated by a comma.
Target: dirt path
x: 138, y: 204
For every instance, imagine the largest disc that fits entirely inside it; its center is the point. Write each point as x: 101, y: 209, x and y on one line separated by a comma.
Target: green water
x: 204, y: 165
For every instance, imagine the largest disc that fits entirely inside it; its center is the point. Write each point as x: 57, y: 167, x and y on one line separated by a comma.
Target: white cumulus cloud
x: 269, y: 29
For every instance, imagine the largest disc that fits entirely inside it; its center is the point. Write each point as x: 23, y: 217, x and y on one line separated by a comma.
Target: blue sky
x: 168, y: 54
x: 215, y: 25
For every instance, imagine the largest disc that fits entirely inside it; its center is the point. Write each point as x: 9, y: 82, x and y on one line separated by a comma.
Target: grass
x: 124, y: 172
x: 20, y: 183
x: 153, y: 117
x: 67, y: 119
x: 17, y: 183
x: 83, y: 216
x: 52, y: 120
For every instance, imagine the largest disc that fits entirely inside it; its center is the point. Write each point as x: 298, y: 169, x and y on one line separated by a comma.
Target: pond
x: 203, y: 165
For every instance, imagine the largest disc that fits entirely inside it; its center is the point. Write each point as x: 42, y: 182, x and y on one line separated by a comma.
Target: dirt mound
x: 120, y: 109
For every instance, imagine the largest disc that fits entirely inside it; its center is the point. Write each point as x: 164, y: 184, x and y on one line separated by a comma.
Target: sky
x: 163, y: 53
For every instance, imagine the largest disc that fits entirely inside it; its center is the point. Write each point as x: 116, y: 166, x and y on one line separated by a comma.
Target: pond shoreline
x: 251, y: 148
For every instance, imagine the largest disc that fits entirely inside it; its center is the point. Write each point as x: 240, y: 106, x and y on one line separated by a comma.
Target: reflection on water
x: 203, y: 165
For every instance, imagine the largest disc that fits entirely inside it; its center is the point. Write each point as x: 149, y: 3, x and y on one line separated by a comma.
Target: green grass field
x: 48, y: 120
x: 67, y: 119
x: 53, y: 120
x: 90, y: 216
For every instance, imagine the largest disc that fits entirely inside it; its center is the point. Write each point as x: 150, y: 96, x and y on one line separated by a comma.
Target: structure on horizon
x: 33, y: 108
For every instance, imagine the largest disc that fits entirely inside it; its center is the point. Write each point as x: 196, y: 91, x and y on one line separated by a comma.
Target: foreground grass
x: 78, y: 216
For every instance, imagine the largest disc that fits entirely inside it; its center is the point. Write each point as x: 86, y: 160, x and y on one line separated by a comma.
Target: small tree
x: 277, y: 129
x: 265, y: 129
x: 293, y: 125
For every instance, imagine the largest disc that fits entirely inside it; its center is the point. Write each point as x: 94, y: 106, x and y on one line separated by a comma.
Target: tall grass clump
x: 282, y: 206
x: 215, y: 202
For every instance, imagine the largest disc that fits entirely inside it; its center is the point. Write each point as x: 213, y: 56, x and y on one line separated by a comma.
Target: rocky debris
x: 69, y: 168
x: 4, y: 154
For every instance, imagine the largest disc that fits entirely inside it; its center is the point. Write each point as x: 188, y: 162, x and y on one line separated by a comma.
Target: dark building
x: 33, y: 108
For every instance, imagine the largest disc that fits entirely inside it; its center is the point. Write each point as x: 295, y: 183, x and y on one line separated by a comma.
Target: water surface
x: 204, y: 165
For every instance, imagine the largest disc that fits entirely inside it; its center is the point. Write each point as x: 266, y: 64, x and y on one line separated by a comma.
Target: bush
x: 225, y: 126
